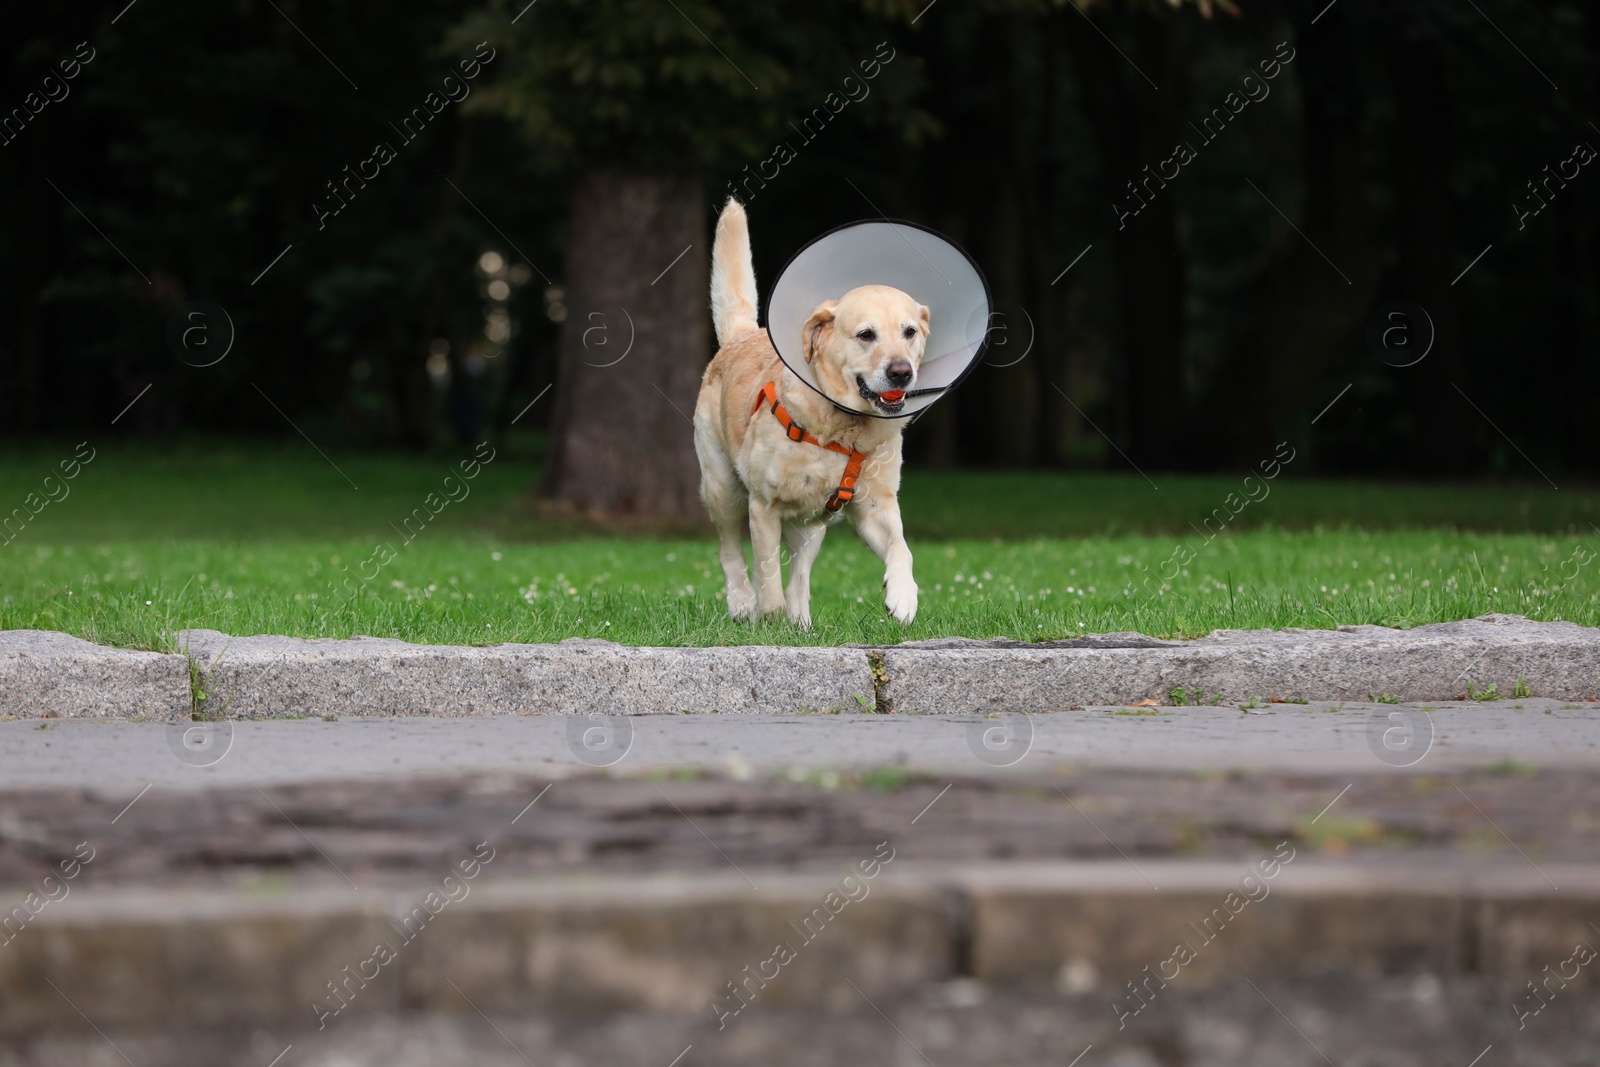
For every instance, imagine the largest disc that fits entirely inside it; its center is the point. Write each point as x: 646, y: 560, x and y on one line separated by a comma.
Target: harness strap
x: 852, y: 468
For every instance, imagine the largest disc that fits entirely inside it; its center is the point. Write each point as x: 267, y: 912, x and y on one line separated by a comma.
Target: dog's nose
x: 899, y: 373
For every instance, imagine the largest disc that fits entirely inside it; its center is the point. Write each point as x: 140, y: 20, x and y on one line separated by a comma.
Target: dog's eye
x: 910, y: 331
x: 868, y: 335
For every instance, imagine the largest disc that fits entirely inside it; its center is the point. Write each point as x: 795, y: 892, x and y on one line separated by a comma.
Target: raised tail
x: 733, y: 277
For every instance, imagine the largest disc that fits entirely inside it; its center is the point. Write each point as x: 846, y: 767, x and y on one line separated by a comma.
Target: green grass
x: 276, y: 492
x: 257, y: 540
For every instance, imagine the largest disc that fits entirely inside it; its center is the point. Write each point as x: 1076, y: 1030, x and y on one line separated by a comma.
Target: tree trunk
x: 1306, y: 313
x: 633, y: 348
x: 35, y: 259
x: 1007, y: 389
x: 443, y: 274
x: 1009, y: 385
x: 1323, y: 308
x: 1048, y: 291
x: 1579, y: 445
x: 1449, y: 436
x: 1135, y: 127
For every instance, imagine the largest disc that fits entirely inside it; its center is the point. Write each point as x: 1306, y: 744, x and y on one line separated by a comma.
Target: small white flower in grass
x: 147, y: 603
x: 495, y: 556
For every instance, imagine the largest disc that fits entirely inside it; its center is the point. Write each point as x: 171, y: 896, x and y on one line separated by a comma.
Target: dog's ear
x: 923, y: 309
x: 811, y: 333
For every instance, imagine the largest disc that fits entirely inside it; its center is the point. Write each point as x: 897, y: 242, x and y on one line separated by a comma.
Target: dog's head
x: 868, y: 344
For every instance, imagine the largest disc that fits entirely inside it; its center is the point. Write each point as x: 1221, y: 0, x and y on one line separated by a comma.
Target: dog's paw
x: 741, y: 605
x: 901, y: 601
x: 801, y: 619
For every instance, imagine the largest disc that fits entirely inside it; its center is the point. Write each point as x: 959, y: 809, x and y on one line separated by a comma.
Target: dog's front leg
x: 878, y: 523
x: 766, y: 538
x: 805, y: 541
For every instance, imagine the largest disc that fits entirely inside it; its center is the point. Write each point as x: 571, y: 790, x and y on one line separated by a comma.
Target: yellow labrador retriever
x: 774, y: 449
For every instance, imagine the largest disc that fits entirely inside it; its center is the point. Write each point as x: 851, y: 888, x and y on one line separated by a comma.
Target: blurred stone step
x: 1377, y: 956
x: 388, y: 831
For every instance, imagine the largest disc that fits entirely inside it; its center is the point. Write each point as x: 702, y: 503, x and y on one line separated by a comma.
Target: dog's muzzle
x: 890, y: 401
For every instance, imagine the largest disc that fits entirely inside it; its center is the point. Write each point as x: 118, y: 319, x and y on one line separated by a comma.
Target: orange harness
x: 852, y: 468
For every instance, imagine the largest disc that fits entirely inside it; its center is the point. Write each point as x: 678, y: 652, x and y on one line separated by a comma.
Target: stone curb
x: 44, y: 674
x: 1434, y: 662
x: 51, y: 675
x: 275, y: 677
x: 153, y: 960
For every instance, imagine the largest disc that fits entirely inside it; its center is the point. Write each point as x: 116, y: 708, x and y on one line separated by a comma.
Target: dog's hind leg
x: 726, y: 501
x: 805, y: 541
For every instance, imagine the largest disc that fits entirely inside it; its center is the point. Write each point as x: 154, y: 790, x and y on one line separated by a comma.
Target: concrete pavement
x: 121, y: 757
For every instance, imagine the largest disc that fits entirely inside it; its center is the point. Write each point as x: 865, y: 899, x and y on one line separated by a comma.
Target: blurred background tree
x: 462, y: 280
x: 638, y: 104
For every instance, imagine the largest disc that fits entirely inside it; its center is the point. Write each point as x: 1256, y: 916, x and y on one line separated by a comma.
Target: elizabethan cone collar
x: 911, y: 258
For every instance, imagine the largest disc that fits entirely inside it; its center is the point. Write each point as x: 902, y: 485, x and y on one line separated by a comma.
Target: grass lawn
x: 264, y: 539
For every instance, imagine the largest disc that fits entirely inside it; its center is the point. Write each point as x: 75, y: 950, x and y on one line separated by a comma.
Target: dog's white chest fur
x: 795, y: 477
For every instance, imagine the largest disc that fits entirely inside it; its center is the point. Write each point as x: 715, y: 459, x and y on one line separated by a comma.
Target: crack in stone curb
x: 202, y: 689
x: 876, y: 663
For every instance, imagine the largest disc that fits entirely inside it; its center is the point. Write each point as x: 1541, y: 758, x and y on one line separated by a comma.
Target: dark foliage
x: 1213, y: 314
